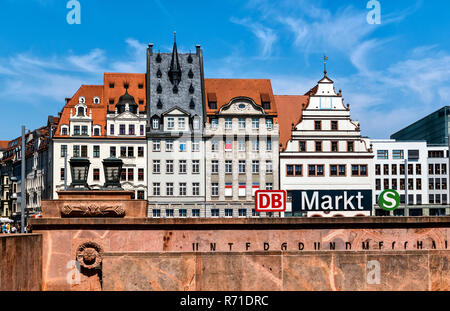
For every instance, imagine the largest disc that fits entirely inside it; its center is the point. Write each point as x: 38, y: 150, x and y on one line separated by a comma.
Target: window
x: 169, y: 166
x: 169, y: 145
x: 84, y: 130
x: 359, y: 170
x: 382, y: 154
x: 228, y: 189
x: 196, y: 188
x: 196, y: 212
x: 255, y: 123
x: 410, y: 184
x: 402, y: 169
x: 316, y: 170
x: 111, y: 129
x: 123, y: 152
x: 84, y: 151
x: 269, y: 144
x: 215, y: 189
x: 294, y: 170
x: 183, y: 212
x: 437, y: 169
x: 334, y: 125
x: 350, y: 146
x: 156, y: 145
x: 169, y: 213
x: 195, y: 166
x: 431, y: 198
x: 418, y: 184
x: 318, y: 125
x: 318, y: 146
x: 386, y: 169
x: 63, y: 150
x: 215, y: 212
x: 170, y: 123
x: 214, y: 123
x: 302, y: 146
x: 76, y: 130
x: 269, y: 167
x: 96, y: 151
x: 156, y: 189
x: 444, y: 184
x: 96, y: 131
x: 337, y: 170
x: 410, y: 169
x: 141, y: 174
x: 228, y: 212
x: 80, y: 112
x: 212, y: 105
x: 377, y: 184
x: 255, y: 167
x: 96, y: 174
x: 402, y: 184
x: 228, y: 123
x: 141, y: 196
x: 130, y: 152
x: 131, y: 129
x: 64, y: 131
x: 228, y: 166
x: 397, y: 154
x: 255, y: 145
x: 181, y: 123
x: 437, y: 184
x: 241, y: 166
x: 155, y: 124
x: 386, y: 183
x: 418, y: 169
x: 156, y: 166
x: 269, y: 124
x: 443, y: 168
x: 169, y: 189
x: 214, y: 145
x: 377, y: 169
x: 182, y: 167
x: 111, y: 85
x: 131, y: 174
x: 182, y: 188
x: 430, y: 169
x: 196, y: 123
x: 241, y: 145
x: 122, y: 129
x: 62, y: 175
x: 334, y: 146
x: 123, y: 174
x: 228, y: 145
x: 195, y: 146
x: 140, y: 152
x: 431, y: 183
x: 269, y: 186
x: 241, y: 123
x: 394, y: 184
x: 141, y: 127
x: 215, y: 166
x: 182, y: 146
x: 76, y: 151
x: 413, y: 154
x: 266, y: 105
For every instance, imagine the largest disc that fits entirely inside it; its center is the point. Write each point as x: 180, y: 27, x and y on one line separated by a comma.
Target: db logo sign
x: 270, y: 201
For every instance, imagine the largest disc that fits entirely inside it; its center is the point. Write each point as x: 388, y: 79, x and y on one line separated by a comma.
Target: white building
x: 326, y: 166
x: 419, y: 173
x: 100, y: 122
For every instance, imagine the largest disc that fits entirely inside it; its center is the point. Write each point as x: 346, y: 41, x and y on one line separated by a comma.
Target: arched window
x: 96, y: 100
x: 97, y: 131
x: 80, y: 112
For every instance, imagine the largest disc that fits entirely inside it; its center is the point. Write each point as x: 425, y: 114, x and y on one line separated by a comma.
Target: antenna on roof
x: 325, y: 58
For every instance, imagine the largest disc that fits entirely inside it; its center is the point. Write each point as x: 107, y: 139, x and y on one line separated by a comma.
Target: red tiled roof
x: 223, y: 91
x: 4, y: 144
x: 119, y: 79
x: 290, y: 108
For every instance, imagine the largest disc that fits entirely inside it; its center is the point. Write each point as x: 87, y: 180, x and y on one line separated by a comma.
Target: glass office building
x: 434, y: 129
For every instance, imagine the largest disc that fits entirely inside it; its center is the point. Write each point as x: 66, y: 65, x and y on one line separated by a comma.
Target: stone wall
x: 21, y: 262
x: 410, y: 253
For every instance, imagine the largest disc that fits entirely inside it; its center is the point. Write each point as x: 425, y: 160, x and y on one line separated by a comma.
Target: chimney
x: 68, y: 100
x: 198, y: 49
x: 150, y: 48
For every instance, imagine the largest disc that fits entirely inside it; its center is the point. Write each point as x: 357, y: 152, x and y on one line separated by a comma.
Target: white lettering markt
x: 314, y: 201
x: 348, y: 201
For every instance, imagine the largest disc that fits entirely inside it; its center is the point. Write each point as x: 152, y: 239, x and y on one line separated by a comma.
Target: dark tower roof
x: 175, y: 68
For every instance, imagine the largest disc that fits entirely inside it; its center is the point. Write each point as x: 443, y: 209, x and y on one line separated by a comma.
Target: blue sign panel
x: 331, y: 200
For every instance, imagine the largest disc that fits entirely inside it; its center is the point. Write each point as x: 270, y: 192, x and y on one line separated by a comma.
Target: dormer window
x: 190, y: 74
x: 64, y: 130
x: 170, y: 123
x: 191, y: 89
x: 196, y: 123
x: 192, y: 104
x: 96, y: 131
x: 140, y: 86
x: 212, y: 105
x: 189, y: 59
x: 159, y: 89
x: 159, y: 105
x: 96, y: 100
x: 80, y: 112
x: 159, y: 74
x: 81, y: 100
x: 84, y: 130
x: 266, y: 105
x: 111, y: 85
x: 155, y: 124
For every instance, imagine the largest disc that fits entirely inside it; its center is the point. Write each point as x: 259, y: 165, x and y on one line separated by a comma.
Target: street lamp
x: 112, y: 168
x: 79, y: 169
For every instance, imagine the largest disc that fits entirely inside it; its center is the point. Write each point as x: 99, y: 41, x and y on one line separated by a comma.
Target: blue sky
x: 391, y: 74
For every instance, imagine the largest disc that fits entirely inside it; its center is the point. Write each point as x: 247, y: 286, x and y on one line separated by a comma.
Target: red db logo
x: 270, y: 201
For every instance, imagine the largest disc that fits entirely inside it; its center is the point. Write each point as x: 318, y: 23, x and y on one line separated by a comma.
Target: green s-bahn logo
x: 389, y: 200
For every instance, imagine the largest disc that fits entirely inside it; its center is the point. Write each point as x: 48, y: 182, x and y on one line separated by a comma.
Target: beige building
x: 241, y: 145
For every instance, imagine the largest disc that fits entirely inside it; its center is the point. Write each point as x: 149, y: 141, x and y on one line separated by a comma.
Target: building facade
x: 100, y: 122
x: 325, y: 165
x: 242, y: 140
x: 176, y: 116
